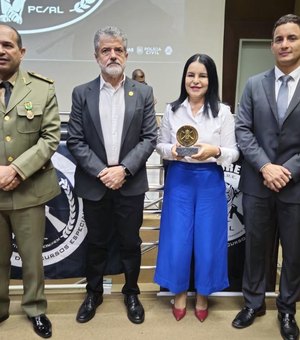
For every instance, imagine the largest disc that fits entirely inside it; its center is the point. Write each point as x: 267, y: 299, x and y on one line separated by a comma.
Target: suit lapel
x: 269, y: 88
x: 130, y: 94
x: 20, y: 90
x: 294, y: 101
x: 92, y: 100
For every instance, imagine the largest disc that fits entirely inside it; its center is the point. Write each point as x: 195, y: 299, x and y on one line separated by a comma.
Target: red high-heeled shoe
x: 201, y: 314
x: 179, y: 313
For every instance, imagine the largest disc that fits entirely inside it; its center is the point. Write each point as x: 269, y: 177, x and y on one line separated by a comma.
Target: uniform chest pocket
x: 29, y: 120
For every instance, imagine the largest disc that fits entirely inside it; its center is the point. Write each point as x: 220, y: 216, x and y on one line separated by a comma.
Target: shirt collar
x: 12, y: 79
x: 103, y: 83
x: 294, y: 74
x: 186, y: 104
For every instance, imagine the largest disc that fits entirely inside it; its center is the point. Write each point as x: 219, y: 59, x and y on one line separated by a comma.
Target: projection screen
x: 162, y: 34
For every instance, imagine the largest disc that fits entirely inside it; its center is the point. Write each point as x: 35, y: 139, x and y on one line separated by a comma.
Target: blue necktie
x: 6, y: 85
x: 282, y: 98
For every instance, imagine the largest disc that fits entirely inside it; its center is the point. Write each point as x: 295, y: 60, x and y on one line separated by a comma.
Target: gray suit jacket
x: 261, y: 140
x: 85, y: 139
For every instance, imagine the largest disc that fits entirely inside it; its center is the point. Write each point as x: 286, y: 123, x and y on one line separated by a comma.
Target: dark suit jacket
x: 86, y: 144
x: 261, y: 140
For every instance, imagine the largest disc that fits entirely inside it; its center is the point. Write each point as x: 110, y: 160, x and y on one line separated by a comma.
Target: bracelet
x: 218, y: 154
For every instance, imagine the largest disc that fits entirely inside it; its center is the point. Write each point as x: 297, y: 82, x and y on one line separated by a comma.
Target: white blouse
x: 217, y: 131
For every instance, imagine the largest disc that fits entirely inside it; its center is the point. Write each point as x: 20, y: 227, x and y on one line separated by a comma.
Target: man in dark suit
x: 269, y: 139
x: 30, y: 133
x: 112, y: 133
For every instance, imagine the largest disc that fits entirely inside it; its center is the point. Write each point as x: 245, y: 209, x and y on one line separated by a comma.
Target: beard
x: 113, y: 70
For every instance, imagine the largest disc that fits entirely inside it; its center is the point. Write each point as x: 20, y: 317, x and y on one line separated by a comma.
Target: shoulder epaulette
x: 39, y: 76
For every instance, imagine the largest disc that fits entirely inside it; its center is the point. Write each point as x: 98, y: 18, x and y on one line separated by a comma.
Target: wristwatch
x: 127, y: 172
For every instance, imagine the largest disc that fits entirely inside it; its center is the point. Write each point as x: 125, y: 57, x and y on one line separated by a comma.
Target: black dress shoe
x: 4, y: 317
x: 247, y: 315
x: 135, y: 310
x: 41, y: 325
x: 87, y: 310
x: 288, y: 326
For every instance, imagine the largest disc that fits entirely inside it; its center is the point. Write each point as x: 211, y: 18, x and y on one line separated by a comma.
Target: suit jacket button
x: 10, y: 158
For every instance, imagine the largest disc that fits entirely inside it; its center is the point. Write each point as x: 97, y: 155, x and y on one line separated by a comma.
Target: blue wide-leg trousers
x: 193, y: 224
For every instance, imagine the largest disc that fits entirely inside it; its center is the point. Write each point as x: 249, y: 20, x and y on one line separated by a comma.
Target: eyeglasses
x: 107, y: 51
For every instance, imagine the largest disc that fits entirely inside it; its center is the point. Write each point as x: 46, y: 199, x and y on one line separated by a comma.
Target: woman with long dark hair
x: 194, y: 214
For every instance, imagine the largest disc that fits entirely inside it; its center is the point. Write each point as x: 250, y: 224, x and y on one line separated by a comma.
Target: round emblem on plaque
x: 187, y: 135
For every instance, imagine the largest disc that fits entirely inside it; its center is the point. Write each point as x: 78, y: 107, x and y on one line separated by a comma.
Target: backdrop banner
x: 65, y: 236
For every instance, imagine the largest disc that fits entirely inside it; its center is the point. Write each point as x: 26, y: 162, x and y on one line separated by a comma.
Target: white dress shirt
x: 112, y: 110
x: 217, y: 131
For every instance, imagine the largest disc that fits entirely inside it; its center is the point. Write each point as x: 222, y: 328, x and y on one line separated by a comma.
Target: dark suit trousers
x: 117, y: 216
x: 262, y: 217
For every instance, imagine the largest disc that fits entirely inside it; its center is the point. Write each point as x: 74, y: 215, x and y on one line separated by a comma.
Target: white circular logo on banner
x: 236, y: 229
x: 63, y: 235
x: 43, y: 16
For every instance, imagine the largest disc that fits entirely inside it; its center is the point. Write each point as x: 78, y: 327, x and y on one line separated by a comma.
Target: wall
x: 247, y: 20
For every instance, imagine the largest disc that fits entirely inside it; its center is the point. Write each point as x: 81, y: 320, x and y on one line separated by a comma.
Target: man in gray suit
x: 270, y: 143
x: 112, y: 133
